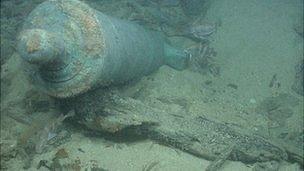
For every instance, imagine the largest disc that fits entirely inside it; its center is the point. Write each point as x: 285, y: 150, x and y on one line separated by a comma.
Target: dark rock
x: 299, y: 81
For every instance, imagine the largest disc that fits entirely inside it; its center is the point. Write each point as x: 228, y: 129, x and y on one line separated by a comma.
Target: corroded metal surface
x: 87, y: 21
x: 70, y: 48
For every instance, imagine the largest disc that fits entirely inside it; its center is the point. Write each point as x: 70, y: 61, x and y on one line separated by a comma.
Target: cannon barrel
x: 70, y: 48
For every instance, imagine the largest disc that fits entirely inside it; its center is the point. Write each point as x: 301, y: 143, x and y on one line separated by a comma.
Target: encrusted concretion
x: 87, y: 21
x: 77, y: 48
x: 33, y: 43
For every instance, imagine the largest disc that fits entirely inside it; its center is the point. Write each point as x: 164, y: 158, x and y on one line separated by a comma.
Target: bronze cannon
x: 70, y: 48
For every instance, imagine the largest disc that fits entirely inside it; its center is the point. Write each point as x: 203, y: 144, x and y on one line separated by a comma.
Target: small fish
x: 198, y: 31
x: 51, y: 135
x: 201, y: 31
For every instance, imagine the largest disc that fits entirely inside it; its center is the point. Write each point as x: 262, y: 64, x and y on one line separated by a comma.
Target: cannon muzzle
x: 40, y: 47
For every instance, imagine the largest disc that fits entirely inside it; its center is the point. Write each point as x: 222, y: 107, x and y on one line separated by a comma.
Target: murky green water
x: 152, y: 85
